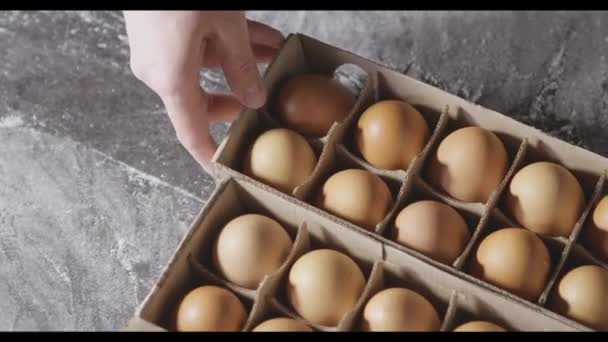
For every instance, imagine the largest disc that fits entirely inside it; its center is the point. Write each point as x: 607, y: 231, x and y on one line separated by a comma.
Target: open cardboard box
x: 456, y: 295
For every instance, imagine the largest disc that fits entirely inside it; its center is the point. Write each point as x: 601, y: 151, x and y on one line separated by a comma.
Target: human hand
x: 168, y: 51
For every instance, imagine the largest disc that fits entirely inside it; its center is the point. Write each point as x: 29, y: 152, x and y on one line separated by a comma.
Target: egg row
x: 213, y: 308
x: 389, y: 134
x: 469, y: 164
x: 324, y: 284
x: 544, y: 197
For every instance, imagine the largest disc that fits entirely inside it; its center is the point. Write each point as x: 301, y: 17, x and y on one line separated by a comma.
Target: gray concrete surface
x: 95, y: 191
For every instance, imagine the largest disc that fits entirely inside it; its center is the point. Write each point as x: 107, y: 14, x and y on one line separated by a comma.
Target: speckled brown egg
x: 311, y: 103
x: 546, y: 198
x: 514, y: 259
x: 432, y: 228
x: 250, y: 247
x: 356, y: 195
x: 282, y: 324
x: 399, y: 309
x: 280, y: 158
x: 479, y: 326
x: 582, y: 295
x: 324, y: 285
x: 596, y: 231
x: 390, y: 134
x: 469, y: 164
x: 210, y: 308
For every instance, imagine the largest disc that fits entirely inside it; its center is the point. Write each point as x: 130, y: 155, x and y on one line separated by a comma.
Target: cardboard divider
x: 251, y: 298
x: 576, y: 256
x: 558, y: 249
x: 450, y: 314
x: 572, y: 240
x: 555, y: 246
x: 391, y: 275
x: 489, y: 211
x: 503, y: 219
x: 267, y: 310
x: 539, y: 152
x: 434, y: 116
x: 592, y: 201
x: 419, y: 191
x: 200, y: 270
x: 481, y: 300
x: 232, y: 201
x: 348, y: 242
x: 397, y: 175
x: 235, y: 202
x: 252, y: 123
x: 457, y: 120
x: 304, y: 63
x: 580, y: 253
x: 470, y: 308
x: 350, y: 319
x: 201, y: 277
x: 240, y: 143
x: 177, y: 277
x: 583, y: 252
x: 329, y: 143
x: 581, y: 234
x: 303, y: 191
x: 336, y: 160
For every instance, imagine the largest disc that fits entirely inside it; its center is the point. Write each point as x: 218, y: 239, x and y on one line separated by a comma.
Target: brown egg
x: 324, y: 285
x: 311, y: 103
x: 211, y: 308
x: 399, y: 309
x: 469, y: 164
x: 357, y: 196
x: 280, y: 158
x: 545, y: 198
x: 390, y: 134
x: 282, y: 324
x: 249, y: 248
x: 596, y: 232
x: 434, y: 229
x: 514, y: 259
x: 479, y: 326
x: 582, y: 295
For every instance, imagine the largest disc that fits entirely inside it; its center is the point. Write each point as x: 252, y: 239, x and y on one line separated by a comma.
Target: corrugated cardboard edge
x: 136, y: 321
x: 137, y: 324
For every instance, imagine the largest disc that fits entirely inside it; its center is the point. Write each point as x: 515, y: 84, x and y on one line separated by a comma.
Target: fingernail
x: 255, y: 96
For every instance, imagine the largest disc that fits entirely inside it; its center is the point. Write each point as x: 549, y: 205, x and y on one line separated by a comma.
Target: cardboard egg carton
x: 457, y: 296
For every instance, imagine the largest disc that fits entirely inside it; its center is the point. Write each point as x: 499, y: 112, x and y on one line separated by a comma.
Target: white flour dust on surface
x: 11, y: 121
x: 140, y: 176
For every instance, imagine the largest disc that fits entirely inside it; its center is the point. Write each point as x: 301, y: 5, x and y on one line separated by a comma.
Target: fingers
x: 262, y: 34
x: 239, y: 64
x: 187, y: 111
x: 191, y: 112
x: 262, y: 53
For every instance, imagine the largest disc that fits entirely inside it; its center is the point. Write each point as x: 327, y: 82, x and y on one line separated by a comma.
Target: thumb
x: 240, y: 66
